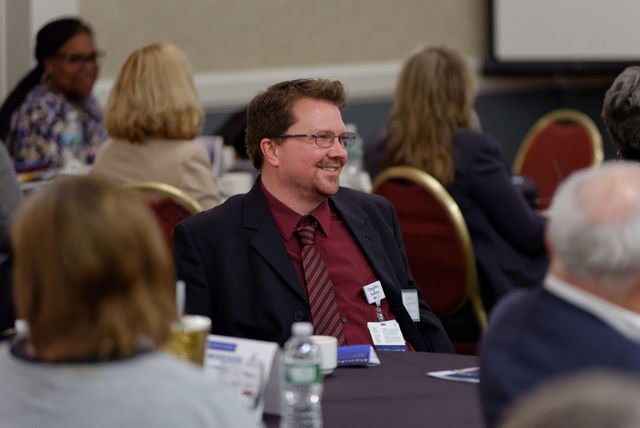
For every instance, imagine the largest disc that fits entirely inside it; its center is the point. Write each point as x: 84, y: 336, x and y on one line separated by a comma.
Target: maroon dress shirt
x: 348, y: 269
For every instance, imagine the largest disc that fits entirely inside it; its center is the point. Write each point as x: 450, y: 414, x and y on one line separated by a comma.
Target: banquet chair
x: 439, y: 250
x: 169, y: 204
x: 559, y: 143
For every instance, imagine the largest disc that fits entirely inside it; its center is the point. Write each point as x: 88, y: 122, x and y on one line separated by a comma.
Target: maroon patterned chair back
x: 168, y: 213
x: 558, y: 144
x: 438, y: 247
x: 169, y: 204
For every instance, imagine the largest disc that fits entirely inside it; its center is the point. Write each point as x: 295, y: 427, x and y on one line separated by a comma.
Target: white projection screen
x: 570, y: 35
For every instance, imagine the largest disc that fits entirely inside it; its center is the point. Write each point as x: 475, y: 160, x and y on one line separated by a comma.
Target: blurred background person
x: 592, y: 399
x: 35, y: 115
x: 621, y: 113
x: 152, y: 116
x: 430, y: 128
x: 587, y: 313
x: 96, y: 292
x: 10, y: 197
x: 233, y: 134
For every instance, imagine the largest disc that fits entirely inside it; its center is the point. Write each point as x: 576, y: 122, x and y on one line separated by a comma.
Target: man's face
x: 74, y: 69
x: 310, y: 173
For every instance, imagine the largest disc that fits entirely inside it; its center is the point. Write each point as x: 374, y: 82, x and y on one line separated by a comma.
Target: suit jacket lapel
x: 267, y: 240
x: 367, y: 237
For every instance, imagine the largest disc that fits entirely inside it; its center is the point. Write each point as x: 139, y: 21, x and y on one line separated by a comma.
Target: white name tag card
x: 374, y: 292
x: 387, y: 336
x: 410, y: 301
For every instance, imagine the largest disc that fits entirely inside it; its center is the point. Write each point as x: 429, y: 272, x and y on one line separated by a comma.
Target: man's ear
x: 270, y: 151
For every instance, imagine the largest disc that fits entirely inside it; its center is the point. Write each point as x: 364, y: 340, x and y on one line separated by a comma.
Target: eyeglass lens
x: 81, y: 59
x: 325, y: 139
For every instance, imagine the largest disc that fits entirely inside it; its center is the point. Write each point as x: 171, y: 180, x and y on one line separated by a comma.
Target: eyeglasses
x: 325, y: 139
x: 75, y: 59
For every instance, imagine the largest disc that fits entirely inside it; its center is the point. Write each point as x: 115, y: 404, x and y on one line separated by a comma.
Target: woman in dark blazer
x: 430, y: 128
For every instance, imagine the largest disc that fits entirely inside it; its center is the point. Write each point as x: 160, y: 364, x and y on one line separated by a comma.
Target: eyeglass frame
x: 76, y: 60
x: 347, y: 139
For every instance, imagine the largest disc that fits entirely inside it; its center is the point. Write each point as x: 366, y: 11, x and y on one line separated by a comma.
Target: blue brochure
x: 357, y: 355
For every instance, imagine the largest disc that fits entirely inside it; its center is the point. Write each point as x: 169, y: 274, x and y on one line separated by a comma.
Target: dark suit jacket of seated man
x: 587, y: 314
x: 243, y: 267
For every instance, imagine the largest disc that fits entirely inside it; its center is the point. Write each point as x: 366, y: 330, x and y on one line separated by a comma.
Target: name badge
x: 410, y: 302
x: 387, y: 336
x: 374, y: 294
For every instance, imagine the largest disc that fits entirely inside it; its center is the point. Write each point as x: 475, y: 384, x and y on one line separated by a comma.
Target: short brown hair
x: 154, y: 97
x: 269, y: 113
x: 93, y: 275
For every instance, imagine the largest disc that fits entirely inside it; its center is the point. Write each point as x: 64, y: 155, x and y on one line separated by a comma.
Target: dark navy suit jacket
x: 534, y: 336
x: 238, y: 272
x: 507, y: 235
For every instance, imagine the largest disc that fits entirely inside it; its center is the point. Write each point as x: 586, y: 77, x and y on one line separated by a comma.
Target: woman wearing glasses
x: 33, y: 118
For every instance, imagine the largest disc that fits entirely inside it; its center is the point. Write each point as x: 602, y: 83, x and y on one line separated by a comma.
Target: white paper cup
x: 328, y: 352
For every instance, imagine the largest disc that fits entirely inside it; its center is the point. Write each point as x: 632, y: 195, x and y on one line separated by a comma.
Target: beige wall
x: 231, y: 35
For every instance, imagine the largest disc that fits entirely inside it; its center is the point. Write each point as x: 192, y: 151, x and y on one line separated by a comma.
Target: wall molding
x: 229, y: 90
x: 365, y: 82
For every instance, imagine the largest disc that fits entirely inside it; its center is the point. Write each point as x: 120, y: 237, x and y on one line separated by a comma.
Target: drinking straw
x: 180, y: 297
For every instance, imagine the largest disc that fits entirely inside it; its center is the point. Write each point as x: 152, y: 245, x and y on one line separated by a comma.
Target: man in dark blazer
x: 241, y: 261
x: 587, y: 314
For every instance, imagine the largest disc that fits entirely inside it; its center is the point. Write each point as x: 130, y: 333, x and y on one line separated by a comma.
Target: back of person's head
x: 92, y: 274
x: 621, y: 113
x: 586, y: 400
x: 154, y: 97
x: 594, y: 226
x: 433, y: 99
x: 269, y: 114
x: 436, y: 83
x: 49, y: 40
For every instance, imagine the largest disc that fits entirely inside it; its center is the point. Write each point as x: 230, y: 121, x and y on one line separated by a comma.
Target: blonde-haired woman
x: 96, y: 291
x: 431, y: 127
x: 152, y: 116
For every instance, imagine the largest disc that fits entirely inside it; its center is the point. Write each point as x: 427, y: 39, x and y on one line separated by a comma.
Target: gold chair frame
x: 170, y: 191
x: 433, y: 186
x: 564, y: 114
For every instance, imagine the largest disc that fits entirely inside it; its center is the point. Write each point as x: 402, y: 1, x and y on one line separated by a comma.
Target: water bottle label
x: 72, y: 135
x: 71, y: 140
x: 298, y: 374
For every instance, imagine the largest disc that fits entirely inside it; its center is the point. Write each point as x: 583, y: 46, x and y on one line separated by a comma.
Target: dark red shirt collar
x: 287, y: 220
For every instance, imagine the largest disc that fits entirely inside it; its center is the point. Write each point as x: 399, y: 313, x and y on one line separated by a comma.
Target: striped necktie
x: 324, y: 310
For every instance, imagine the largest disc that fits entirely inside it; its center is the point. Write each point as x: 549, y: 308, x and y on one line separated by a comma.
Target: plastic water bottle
x: 354, y: 164
x: 302, y: 383
x: 353, y: 174
x: 72, y: 138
